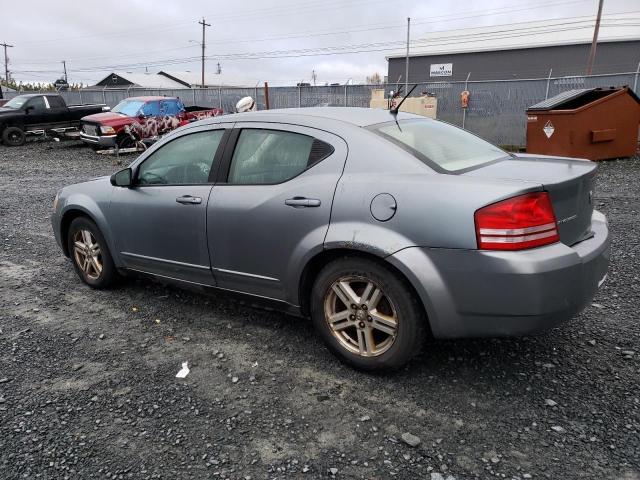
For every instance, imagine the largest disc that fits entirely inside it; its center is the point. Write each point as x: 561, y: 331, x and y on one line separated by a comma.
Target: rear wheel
x: 90, y: 255
x: 13, y: 136
x: 367, y: 314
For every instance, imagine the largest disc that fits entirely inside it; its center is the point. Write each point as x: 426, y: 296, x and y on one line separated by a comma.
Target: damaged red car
x: 140, y: 118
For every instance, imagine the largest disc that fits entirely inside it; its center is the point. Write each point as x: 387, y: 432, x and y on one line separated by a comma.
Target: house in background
x: 211, y: 80
x: 138, y: 79
x: 520, y: 51
x: 170, y: 80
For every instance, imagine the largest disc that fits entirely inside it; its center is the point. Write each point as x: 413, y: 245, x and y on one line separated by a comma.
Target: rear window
x: 440, y: 145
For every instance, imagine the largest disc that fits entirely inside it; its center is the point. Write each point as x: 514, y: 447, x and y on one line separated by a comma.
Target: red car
x: 139, y: 118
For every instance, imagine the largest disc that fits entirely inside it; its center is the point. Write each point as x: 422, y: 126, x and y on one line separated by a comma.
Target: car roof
x: 361, y: 117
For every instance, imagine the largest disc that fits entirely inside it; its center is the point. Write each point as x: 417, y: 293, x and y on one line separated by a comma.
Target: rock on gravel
x: 410, y: 439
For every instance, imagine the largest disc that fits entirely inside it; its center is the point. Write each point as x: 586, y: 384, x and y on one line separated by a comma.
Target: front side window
x: 273, y: 156
x: 151, y: 109
x: 185, y: 160
x: 37, y: 103
x: 447, y: 147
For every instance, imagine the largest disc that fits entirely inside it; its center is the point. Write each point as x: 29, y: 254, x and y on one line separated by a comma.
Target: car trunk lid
x: 570, y: 184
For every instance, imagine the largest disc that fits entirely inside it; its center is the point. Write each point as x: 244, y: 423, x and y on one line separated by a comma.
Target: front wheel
x: 13, y: 136
x: 367, y: 314
x: 90, y: 255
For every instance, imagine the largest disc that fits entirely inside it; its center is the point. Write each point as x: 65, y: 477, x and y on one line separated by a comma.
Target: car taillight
x: 525, y: 221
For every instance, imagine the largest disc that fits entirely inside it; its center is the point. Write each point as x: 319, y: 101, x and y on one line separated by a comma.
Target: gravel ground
x: 88, y: 387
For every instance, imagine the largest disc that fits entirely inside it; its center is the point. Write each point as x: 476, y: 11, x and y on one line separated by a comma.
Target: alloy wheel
x: 87, y: 254
x: 361, y: 316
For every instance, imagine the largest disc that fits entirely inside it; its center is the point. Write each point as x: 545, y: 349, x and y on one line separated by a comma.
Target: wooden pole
x: 594, y: 43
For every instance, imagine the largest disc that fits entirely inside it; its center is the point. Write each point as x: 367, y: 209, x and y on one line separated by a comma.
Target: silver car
x: 382, y: 229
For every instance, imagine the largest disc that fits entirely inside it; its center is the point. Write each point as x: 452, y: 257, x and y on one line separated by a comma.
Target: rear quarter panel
x: 433, y: 209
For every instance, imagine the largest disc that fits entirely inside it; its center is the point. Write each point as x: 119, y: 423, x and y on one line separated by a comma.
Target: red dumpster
x: 593, y: 123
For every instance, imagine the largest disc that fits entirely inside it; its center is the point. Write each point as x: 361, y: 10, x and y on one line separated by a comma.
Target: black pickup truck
x: 38, y: 113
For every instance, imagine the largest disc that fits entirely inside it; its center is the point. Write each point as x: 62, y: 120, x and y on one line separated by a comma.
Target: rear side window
x: 274, y: 156
x: 55, y: 102
x: 171, y: 107
x: 441, y: 145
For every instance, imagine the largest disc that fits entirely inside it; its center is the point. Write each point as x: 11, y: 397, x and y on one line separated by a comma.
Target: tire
x: 13, y: 137
x: 125, y: 141
x: 99, y: 272
x: 351, y: 338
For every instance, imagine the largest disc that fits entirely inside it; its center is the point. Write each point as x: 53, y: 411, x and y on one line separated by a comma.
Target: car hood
x: 8, y: 110
x: 108, y: 118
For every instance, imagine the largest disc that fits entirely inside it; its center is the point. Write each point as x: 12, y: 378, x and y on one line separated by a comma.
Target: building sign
x: 441, y: 70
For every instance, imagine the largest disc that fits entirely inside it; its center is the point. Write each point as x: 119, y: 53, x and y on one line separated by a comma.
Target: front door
x: 272, y: 205
x: 160, y: 224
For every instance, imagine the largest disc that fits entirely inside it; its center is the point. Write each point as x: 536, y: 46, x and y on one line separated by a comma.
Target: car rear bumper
x: 102, y: 140
x: 474, y: 293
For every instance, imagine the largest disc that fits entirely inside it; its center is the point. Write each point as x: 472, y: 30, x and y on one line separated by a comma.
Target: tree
x: 374, y: 79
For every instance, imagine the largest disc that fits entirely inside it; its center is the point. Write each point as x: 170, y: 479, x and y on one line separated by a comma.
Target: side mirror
x: 123, y: 178
x: 29, y: 108
x: 141, y: 116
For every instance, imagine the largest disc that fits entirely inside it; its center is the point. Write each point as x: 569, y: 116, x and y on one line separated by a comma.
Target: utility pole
x: 204, y: 25
x: 64, y: 64
x: 592, y: 52
x: 406, y: 63
x: 313, y: 77
x: 6, y: 63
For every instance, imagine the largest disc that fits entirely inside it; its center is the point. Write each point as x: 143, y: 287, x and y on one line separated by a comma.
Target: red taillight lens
x: 525, y: 221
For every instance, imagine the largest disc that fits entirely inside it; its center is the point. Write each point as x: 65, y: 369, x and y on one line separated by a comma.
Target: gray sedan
x: 383, y: 230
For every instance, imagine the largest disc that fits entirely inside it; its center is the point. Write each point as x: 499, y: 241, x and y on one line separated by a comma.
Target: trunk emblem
x: 568, y: 219
x: 548, y: 129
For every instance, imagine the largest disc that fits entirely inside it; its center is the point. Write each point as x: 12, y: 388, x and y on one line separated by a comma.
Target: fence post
x: 635, y: 82
x: 255, y: 96
x: 546, y: 95
x: 193, y: 94
x: 345, y: 93
x: 464, y: 110
x: 220, y: 97
x: 104, y: 96
x: 80, y: 92
x: 299, y: 95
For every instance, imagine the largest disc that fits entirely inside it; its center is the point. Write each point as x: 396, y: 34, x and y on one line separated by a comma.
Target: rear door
x: 58, y: 112
x: 271, y: 206
x: 160, y: 224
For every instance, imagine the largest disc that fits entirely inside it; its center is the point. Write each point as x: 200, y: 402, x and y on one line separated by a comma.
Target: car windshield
x: 17, y: 102
x: 440, y: 144
x: 128, y: 107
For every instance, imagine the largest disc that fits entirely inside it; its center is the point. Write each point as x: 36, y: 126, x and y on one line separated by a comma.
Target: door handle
x: 302, y: 202
x: 189, y: 200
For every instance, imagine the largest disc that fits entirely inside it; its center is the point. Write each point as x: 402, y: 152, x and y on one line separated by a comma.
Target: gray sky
x: 94, y: 36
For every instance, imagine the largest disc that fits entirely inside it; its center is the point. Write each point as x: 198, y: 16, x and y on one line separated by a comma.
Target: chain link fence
x: 496, y: 108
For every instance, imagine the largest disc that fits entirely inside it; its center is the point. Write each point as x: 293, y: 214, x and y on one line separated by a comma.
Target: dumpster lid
x: 578, y: 97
